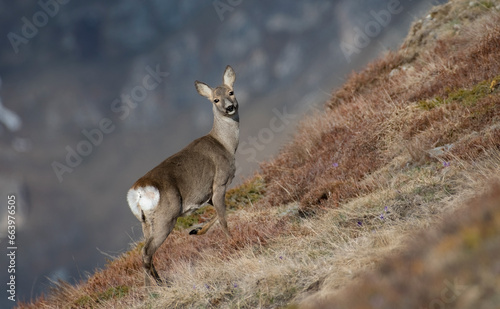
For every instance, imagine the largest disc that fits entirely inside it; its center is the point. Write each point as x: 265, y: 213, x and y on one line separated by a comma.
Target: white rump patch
x: 143, y: 198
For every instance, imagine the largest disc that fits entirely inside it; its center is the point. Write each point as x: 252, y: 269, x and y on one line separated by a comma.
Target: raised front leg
x: 218, y: 200
x: 203, y: 229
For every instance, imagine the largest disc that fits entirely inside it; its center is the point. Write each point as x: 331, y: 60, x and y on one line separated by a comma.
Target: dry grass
x: 374, y: 114
x: 396, y: 151
x: 454, y: 265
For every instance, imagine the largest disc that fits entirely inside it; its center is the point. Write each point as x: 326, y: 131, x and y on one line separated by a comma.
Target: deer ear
x: 229, y: 77
x: 203, y: 89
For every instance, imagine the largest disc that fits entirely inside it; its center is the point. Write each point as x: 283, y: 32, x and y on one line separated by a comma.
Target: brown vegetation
x: 399, y: 147
x: 375, y: 111
x: 454, y: 266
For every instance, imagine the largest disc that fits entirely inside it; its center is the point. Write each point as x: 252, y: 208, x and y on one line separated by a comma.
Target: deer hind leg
x: 157, y: 225
x: 155, y: 235
x: 147, y: 254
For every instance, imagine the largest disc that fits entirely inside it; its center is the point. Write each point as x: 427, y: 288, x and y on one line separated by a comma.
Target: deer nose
x: 230, y: 108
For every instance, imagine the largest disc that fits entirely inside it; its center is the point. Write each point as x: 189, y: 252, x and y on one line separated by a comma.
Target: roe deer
x: 196, y: 175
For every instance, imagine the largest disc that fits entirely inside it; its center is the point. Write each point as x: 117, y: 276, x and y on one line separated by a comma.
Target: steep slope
x: 86, y: 60
x: 452, y: 266
x: 333, y: 220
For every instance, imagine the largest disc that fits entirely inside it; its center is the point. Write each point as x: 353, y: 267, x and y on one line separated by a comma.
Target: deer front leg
x: 218, y: 199
x: 203, y: 229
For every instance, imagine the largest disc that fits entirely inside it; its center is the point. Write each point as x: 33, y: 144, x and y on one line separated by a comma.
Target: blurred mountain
x: 104, y: 91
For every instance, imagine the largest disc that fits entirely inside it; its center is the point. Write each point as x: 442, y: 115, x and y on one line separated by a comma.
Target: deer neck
x: 226, y: 130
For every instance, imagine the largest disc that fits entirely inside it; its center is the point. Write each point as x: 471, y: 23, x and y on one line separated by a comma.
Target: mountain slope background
x: 386, y: 197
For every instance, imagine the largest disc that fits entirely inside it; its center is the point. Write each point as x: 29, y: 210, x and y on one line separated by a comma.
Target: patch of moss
x: 466, y: 97
x: 430, y: 104
x: 194, y: 218
x: 471, y: 237
x: 246, y: 194
x: 470, y: 97
x: 242, y: 196
x: 114, y: 292
x: 88, y: 301
x: 487, y: 4
x: 84, y: 302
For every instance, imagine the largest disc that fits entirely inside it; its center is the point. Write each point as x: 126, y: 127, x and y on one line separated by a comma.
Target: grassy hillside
x: 387, y: 198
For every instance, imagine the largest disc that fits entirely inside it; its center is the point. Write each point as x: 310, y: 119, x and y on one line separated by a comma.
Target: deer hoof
x: 195, y: 231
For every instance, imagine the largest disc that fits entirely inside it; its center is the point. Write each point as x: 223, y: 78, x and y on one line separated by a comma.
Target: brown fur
x: 196, y: 175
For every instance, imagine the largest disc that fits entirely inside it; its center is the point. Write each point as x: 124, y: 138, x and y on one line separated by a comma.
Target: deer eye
x: 231, y: 92
x: 216, y: 100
